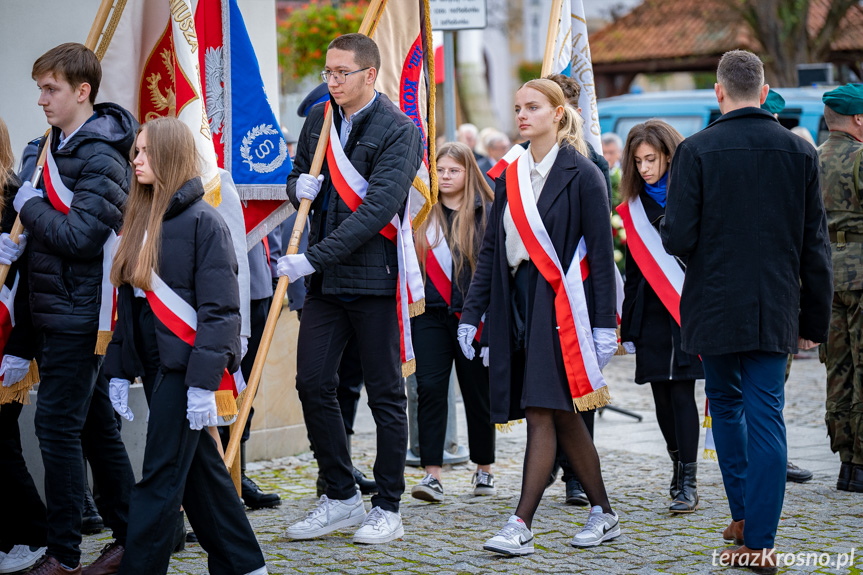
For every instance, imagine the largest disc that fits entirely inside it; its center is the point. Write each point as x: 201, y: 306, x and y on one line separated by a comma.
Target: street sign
x: 458, y: 14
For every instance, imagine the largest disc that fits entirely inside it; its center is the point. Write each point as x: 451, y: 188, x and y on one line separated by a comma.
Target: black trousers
x: 349, y: 385
x: 24, y: 521
x: 182, y: 466
x: 74, y: 413
x: 327, y: 325
x: 436, y: 345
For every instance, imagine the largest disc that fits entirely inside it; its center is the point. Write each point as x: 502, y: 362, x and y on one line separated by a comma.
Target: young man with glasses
x: 352, y: 276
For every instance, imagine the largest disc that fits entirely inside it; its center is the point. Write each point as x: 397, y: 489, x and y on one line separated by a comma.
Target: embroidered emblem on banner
x: 263, y: 150
x: 215, y: 82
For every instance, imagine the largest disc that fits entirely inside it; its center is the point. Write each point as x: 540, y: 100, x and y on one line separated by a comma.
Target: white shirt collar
x: 64, y: 139
x: 544, y: 165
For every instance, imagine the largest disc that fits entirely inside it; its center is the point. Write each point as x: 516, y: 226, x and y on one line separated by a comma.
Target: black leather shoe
x: 91, y: 521
x: 367, y: 486
x: 844, y: 476
x: 687, y: 499
x: 796, y: 474
x: 254, y: 498
x: 856, y: 482
x: 575, y: 494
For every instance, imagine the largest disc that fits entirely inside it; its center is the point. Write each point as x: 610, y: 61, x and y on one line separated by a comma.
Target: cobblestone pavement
x: 447, y: 538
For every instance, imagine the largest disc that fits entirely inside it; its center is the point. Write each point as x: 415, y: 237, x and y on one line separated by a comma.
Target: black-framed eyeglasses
x: 340, y: 77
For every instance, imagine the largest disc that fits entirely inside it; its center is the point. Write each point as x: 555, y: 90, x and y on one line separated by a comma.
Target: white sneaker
x: 21, y: 557
x: 513, y: 539
x: 330, y: 515
x: 380, y: 527
x: 599, y: 527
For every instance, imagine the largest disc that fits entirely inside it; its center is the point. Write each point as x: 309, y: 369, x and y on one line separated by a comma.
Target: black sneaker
x: 483, y: 483
x: 429, y: 489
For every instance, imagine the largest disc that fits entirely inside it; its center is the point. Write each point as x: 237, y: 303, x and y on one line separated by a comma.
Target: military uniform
x: 841, y: 178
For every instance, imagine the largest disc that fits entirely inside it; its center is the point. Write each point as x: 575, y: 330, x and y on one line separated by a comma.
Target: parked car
x: 690, y: 111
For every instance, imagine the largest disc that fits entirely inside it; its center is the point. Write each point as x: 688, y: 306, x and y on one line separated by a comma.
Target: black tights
x: 545, y: 428
x: 677, y: 416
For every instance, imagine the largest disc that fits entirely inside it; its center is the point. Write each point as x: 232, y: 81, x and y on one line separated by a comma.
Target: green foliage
x: 529, y: 71
x: 306, y: 31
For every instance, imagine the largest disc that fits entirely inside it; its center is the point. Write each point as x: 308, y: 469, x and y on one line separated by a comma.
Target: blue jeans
x: 747, y: 394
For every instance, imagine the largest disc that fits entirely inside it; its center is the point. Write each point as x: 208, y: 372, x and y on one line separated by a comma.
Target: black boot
x: 674, y: 488
x: 367, y: 486
x: 180, y: 533
x: 91, y: 521
x: 844, y: 476
x: 855, y: 483
x: 687, y: 500
x: 252, y: 495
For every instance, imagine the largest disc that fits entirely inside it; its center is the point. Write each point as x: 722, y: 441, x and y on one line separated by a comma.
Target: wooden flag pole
x: 373, y: 13
x: 553, y: 25
x: 92, y: 38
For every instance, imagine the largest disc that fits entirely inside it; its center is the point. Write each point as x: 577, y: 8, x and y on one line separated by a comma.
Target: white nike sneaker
x: 513, y: 539
x: 380, y: 526
x: 329, y: 515
x: 599, y: 527
x: 21, y: 557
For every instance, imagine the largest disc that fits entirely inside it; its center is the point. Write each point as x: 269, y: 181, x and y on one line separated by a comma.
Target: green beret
x: 846, y: 100
x: 774, y: 103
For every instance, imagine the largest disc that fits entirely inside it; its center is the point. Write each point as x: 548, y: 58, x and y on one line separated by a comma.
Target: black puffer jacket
x: 197, y: 262
x: 349, y: 254
x: 65, y: 251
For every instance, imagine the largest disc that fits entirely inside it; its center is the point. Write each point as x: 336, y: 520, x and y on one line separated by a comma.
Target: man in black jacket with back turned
x: 744, y: 205
x: 352, y: 289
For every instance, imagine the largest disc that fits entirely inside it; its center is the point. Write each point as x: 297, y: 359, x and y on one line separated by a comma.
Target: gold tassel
x: 20, y: 392
x: 594, y: 399
x: 417, y: 308
x: 710, y: 454
x: 708, y: 422
x: 102, y: 341
x: 409, y: 367
x: 213, y: 191
x: 508, y: 426
x: 226, y: 405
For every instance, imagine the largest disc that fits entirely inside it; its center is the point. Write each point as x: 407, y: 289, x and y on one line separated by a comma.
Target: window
x: 686, y: 125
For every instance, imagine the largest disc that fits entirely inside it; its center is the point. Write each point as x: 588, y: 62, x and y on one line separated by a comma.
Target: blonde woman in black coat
x: 564, y: 201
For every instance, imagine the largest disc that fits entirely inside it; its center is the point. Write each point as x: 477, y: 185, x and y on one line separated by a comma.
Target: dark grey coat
x: 573, y: 204
x: 744, y: 206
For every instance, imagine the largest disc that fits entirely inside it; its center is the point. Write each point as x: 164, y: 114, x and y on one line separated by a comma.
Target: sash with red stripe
x: 581, y: 256
x: 352, y: 188
x: 512, y: 155
x: 181, y: 319
x: 61, y: 199
x: 439, y: 266
x: 19, y: 391
x: 586, y: 384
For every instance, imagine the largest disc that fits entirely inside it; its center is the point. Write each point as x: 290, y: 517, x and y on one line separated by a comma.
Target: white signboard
x: 458, y: 14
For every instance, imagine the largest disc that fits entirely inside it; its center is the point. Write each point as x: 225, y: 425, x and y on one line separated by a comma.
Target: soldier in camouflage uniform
x: 841, y: 178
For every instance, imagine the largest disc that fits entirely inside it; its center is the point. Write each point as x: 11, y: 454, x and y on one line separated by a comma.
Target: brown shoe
x: 734, y: 532
x: 108, y: 562
x: 763, y: 560
x: 47, y: 565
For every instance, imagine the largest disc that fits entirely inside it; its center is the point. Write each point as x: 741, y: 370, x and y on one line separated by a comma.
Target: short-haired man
x: 612, y: 149
x: 352, y: 289
x: 69, y: 218
x: 744, y: 205
x: 841, y: 185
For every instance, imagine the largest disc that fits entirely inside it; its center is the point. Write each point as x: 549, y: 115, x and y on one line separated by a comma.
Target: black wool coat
x: 744, y: 206
x: 647, y: 324
x: 349, y: 254
x: 573, y: 203
x: 65, y: 250
x: 197, y: 262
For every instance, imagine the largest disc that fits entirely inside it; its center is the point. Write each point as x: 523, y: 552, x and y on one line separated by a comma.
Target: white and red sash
x: 61, y: 198
x: 352, y: 188
x: 19, y: 391
x: 181, y: 319
x: 512, y: 155
x: 439, y: 266
x: 584, y: 265
x: 586, y: 383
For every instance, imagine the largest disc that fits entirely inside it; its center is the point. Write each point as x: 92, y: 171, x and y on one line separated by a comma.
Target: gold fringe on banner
x: 508, y: 426
x: 226, y: 405
x: 708, y: 421
x: 417, y: 308
x: 710, y: 454
x: 20, y: 392
x: 102, y: 341
x: 594, y: 399
x: 409, y: 367
x: 213, y: 191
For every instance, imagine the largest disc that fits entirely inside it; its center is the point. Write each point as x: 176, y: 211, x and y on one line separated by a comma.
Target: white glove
x: 13, y: 369
x: 244, y: 346
x: 201, y: 408
x: 118, y: 392
x: 25, y: 193
x: 629, y: 347
x: 295, y: 266
x: 9, y: 250
x: 308, y: 187
x: 605, y: 342
x: 465, y: 335
x: 483, y: 353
